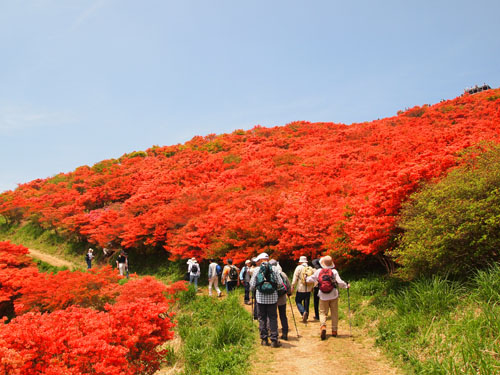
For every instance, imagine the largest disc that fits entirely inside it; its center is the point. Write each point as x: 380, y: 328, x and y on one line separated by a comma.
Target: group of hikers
x: 121, y: 260
x: 266, y: 284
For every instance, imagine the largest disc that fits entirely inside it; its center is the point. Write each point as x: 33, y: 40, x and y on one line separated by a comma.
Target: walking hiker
x: 88, y: 257
x: 230, y: 276
x: 213, y: 278
x: 194, y: 273
x: 283, y: 294
x: 316, y: 266
x: 253, y: 268
x: 245, y: 280
x: 265, y: 282
x: 122, y: 263
x: 329, y: 281
x: 303, y: 288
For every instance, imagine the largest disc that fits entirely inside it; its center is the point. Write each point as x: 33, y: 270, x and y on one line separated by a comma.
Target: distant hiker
x: 188, y: 271
x: 122, y: 263
x: 265, y: 282
x: 245, y: 280
x: 316, y: 266
x: 283, y: 294
x: 303, y: 288
x: 213, y: 277
x: 194, y: 272
x: 88, y: 257
x: 230, y: 276
x: 329, y: 281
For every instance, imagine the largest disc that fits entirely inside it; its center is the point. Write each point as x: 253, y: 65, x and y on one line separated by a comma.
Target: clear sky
x: 82, y: 81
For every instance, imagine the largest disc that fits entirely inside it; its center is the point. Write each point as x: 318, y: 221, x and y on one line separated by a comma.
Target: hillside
x: 303, y: 188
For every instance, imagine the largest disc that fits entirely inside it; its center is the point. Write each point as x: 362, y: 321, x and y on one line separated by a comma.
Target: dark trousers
x: 283, y: 319
x: 247, y: 291
x: 255, y: 306
x: 316, y: 302
x: 230, y: 285
x: 268, y: 328
x: 302, y: 300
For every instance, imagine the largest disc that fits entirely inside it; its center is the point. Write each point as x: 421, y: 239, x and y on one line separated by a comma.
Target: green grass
x: 217, y: 334
x: 433, y: 325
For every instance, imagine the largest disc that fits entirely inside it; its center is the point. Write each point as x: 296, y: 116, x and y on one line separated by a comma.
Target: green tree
x: 453, y: 226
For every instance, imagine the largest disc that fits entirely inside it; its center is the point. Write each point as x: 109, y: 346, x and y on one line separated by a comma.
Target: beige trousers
x: 333, y: 306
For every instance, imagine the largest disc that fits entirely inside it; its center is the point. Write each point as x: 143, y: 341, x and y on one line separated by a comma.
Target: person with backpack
x: 245, y: 280
x: 213, y: 277
x: 88, y: 258
x: 303, y: 288
x: 316, y: 266
x: 230, y: 276
x: 283, y: 294
x: 265, y: 282
x: 329, y: 281
x: 194, y: 272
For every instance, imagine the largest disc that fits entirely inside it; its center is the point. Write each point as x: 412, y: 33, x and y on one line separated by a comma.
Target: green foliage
x: 434, y: 325
x: 454, y: 226
x: 218, y: 335
x: 48, y: 268
x: 232, y: 159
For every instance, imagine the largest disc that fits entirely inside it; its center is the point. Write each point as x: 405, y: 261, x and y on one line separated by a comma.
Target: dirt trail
x: 52, y: 260
x: 309, y: 355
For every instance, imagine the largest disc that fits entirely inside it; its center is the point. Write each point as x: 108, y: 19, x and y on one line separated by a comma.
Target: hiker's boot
x: 264, y: 342
x: 305, y: 316
x: 275, y: 344
x: 334, y: 333
x: 284, y: 336
x: 323, y: 333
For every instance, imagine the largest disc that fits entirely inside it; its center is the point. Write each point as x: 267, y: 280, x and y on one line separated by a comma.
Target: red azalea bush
x: 301, y: 189
x: 81, y: 322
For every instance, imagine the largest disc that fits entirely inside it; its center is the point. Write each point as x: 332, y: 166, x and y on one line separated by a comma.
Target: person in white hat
x: 329, y: 281
x: 299, y: 283
x: 267, y: 300
x: 89, y: 257
x: 194, y: 272
x: 245, y: 276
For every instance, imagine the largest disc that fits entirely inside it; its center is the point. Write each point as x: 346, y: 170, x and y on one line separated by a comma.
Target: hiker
x: 122, y: 263
x: 245, y: 280
x: 282, y: 299
x: 253, y: 268
x: 265, y: 282
x: 303, y: 296
x: 230, y: 276
x: 213, y: 277
x: 329, y: 281
x: 188, y: 271
x: 194, y: 272
x: 89, y: 257
x: 316, y: 266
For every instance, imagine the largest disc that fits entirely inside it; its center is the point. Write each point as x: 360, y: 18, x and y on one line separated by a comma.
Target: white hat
x: 303, y: 259
x: 262, y: 256
x: 327, y: 262
x: 247, y: 261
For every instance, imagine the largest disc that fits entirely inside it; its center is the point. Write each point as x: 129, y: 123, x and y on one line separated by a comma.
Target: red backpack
x: 326, y: 280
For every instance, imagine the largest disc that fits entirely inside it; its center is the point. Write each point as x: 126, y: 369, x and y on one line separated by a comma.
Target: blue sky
x: 83, y: 81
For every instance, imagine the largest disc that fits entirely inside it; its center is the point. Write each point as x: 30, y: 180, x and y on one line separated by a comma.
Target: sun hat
x: 248, y: 261
x: 327, y: 262
x: 303, y: 259
x: 262, y: 256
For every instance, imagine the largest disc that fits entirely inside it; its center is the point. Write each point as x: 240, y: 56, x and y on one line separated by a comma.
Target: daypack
x: 282, y: 289
x: 326, y: 280
x: 233, y: 273
x: 218, y: 269
x: 194, y: 268
x: 306, y: 272
x: 266, y: 282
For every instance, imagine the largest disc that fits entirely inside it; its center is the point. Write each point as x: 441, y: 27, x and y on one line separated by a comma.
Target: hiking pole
x: 349, y: 312
x: 293, y: 315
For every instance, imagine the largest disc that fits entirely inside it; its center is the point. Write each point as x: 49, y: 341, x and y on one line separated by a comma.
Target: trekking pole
x: 293, y: 315
x: 349, y: 312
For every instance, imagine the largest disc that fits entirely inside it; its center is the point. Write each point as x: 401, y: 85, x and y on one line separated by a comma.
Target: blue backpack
x: 218, y: 269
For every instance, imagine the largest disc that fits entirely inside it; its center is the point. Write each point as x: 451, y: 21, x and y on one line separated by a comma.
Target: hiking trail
x: 52, y: 260
x: 309, y: 355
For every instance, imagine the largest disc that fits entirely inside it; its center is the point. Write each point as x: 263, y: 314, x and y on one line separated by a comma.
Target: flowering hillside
x: 301, y: 189
x: 80, y: 322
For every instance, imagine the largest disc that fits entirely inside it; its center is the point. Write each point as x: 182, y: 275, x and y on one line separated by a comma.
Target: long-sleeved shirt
x: 264, y: 299
x: 197, y: 273
x: 212, y: 270
x: 245, y: 274
x: 334, y: 293
x: 297, y: 279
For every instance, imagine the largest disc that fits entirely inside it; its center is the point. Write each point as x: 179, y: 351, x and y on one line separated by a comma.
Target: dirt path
x: 52, y: 260
x: 309, y: 355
